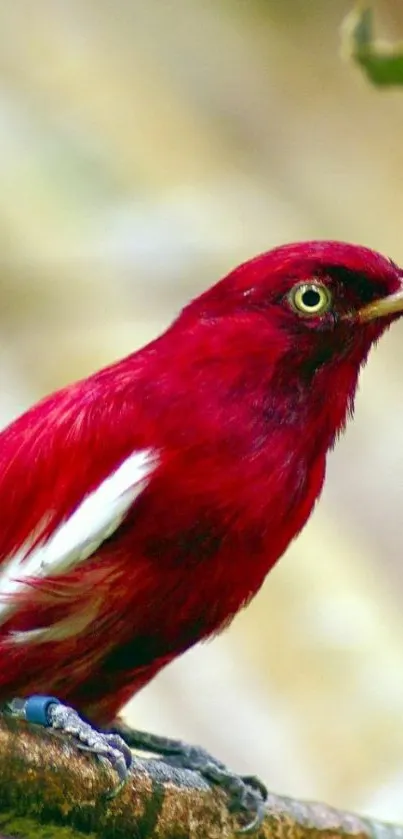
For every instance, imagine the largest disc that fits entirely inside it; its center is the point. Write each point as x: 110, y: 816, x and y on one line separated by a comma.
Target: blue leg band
x: 36, y: 709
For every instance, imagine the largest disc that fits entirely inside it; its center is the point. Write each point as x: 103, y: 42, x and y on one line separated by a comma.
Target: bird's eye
x: 310, y: 298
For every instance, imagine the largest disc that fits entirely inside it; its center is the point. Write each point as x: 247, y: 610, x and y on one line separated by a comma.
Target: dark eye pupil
x: 311, y: 298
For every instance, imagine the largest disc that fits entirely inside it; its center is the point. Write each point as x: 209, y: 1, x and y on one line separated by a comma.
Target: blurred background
x: 146, y: 147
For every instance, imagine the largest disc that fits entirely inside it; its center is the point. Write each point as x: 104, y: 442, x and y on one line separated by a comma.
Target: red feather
x: 240, y: 400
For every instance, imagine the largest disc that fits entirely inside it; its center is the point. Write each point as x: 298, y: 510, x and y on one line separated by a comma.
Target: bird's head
x: 323, y: 302
x: 292, y: 327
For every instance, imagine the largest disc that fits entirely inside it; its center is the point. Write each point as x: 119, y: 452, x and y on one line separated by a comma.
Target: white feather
x: 94, y: 520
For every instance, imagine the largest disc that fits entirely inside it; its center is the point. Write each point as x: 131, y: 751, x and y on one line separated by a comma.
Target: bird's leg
x: 50, y: 713
x: 247, y: 794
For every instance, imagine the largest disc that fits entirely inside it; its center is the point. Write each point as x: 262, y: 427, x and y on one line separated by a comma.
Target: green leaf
x: 381, y: 61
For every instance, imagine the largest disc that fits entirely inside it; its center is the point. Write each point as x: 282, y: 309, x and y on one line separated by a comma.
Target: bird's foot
x: 50, y: 713
x: 247, y: 794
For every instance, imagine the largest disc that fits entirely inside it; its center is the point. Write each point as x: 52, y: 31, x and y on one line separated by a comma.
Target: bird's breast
x: 209, y: 535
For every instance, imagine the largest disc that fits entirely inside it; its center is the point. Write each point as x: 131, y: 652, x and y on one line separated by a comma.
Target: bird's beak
x: 390, y: 305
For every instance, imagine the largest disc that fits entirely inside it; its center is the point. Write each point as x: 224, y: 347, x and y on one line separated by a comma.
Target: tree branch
x: 48, y: 788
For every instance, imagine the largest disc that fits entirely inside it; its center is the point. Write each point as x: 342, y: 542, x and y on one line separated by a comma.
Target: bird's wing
x: 95, y: 519
x: 66, y: 484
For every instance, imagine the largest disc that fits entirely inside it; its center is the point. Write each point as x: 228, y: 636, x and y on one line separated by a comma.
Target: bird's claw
x: 110, y: 748
x: 247, y: 794
x: 50, y: 713
x: 250, y: 799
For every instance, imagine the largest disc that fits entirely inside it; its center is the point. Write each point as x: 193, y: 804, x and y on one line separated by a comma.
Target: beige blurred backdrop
x: 146, y: 147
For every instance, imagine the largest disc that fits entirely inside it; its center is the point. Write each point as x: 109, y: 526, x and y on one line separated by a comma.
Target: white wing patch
x: 96, y: 518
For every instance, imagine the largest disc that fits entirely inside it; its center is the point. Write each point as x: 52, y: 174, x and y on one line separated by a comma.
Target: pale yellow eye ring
x: 311, y: 298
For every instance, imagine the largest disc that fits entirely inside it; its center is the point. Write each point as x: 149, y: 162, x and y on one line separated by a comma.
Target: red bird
x: 144, y: 506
